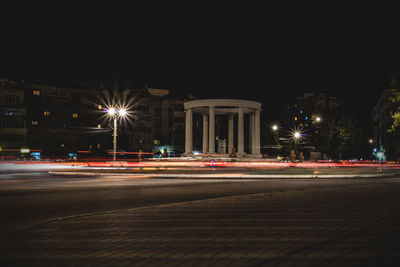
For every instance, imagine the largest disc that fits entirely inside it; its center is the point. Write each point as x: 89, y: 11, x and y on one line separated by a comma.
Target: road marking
x: 227, y: 175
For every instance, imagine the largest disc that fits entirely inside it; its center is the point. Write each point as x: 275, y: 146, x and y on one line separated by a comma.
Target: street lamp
x: 112, y: 112
x: 296, y: 135
x: 318, y: 119
x: 122, y: 112
x: 274, y: 127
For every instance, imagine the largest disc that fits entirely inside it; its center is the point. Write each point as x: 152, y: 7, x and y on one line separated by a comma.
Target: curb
x: 232, y: 176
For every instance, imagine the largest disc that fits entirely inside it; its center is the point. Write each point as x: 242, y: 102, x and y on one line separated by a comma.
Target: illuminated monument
x: 232, y: 108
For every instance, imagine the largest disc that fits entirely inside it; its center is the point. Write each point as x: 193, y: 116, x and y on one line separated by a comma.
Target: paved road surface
x: 31, y: 198
x: 336, y: 222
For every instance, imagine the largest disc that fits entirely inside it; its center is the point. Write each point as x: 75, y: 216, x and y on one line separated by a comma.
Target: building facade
x: 59, y: 117
x: 313, y: 117
x: 300, y: 111
x: 62, y: 118
x: 158, y: 122
x: 13, y: 116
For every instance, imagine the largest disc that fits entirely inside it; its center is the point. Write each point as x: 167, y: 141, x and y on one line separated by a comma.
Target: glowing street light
x: 274, y: 127
x: 296, y: 138
x: 112, y: 112
x: 296, y: 135
x: 122, y: 112
x: 318, y: 119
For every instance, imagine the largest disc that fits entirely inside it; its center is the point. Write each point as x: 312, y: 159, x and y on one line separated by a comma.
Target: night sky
x: 266, y: 52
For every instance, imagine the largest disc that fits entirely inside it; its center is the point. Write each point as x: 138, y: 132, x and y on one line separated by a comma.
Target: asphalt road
x: 209, y: 222
x: 27, y: 199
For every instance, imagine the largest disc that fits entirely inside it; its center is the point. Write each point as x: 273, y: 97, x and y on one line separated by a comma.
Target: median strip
x: 225, y: 175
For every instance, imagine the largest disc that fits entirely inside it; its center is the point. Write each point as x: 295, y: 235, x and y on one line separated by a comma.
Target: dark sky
x: 261, y: 52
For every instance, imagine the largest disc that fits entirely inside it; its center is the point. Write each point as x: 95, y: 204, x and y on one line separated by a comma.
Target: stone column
x: 251, y: 133
x: 205, y: 133
x: 230, y: 133
x: 189, y: 132
x: 211, y: 128
x: 257, y: 147
x: 240, y: 132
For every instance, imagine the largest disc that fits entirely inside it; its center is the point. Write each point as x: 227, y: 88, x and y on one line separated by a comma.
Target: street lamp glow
x: 318, y: 119
x: 111, y: 111
x: 370, y: 141
x: 122, y: 112
x: 274, y: 127
x: 297, y: 135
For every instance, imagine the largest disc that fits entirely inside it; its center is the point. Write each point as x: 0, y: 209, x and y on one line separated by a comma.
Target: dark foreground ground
x: 344, y: 224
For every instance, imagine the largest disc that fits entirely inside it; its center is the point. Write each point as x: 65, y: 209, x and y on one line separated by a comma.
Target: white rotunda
x: 231, y: 108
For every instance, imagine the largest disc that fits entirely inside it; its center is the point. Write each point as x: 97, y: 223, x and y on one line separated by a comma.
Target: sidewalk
x: 324, y: 227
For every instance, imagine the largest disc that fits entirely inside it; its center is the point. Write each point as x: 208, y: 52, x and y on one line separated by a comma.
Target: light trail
x: 175, y: 164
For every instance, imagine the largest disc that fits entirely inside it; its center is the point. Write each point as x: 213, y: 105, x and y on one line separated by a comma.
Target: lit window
x: 46, y: 113
x: 99, y: 126
x: 35, y: 122
x: 301, y: 111
x: 75, y: 115
x: 36, y: 92
x: 99, y: 107
x: 306, y: 118
x: 156, y: 141
x: 295, y: 118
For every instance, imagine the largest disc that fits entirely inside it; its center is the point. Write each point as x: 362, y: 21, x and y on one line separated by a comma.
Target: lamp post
x: 296, y: 138
x: 114, y: 114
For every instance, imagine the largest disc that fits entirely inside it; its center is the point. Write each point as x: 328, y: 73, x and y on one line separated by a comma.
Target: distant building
x: 307, y: 114
x: 300, y: 111
x: 386, y: 144
x: 159, y: 122
x: 58, y: 118
x: 13, y: 120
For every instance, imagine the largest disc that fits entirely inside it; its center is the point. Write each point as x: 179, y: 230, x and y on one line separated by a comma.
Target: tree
x: 339, y: 137
x: 271, y: 139
x: 395, y: 98
x: 319, y: 133
x: 348, y: 140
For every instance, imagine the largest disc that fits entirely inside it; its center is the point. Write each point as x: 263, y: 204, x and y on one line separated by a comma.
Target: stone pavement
x: 339, y: 226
